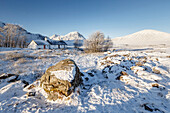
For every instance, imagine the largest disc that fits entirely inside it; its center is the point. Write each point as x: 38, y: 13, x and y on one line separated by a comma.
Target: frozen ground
x: 125, y: 80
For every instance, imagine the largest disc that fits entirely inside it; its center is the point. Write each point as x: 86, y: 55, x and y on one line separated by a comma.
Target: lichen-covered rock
x: 61, y: 78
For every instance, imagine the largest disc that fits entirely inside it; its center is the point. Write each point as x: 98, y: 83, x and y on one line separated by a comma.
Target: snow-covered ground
x: 124, y: 80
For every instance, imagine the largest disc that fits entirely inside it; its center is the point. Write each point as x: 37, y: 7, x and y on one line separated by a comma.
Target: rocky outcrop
x: 9, y: 77
x: 61, y: 79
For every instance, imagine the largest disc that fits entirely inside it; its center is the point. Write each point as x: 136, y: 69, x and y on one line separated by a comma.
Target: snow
x: 144, y: 37
x: 64, y: 74
x: 100, y: 91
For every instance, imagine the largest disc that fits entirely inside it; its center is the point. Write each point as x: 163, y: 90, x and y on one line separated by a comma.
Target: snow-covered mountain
x: 54, y: 36
x: 144, y: 37
x: 69, y: 38
x: 29, y: 36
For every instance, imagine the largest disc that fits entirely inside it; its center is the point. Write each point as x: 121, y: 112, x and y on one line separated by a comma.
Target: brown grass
x: 168, y: 56
x: 126, y: 55
x: 139, y: 64
x: 132, y: 68
x: 22, y: 60
x: 116, y: 55
x: 16, y: 56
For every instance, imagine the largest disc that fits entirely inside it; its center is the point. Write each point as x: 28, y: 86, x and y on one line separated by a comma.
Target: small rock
x: 155, y: 85
x: 26, y: 83
x: 156, y: 80
x: 123, y: 73
x: 147, y: 107
x: 157, y: 59
x: 91, y: 74
x: 119, y: 77
x: 156, y: 71
x: 87, y: 78
x: 30, y: 94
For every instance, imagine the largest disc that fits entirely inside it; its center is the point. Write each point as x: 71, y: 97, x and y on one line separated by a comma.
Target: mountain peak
x: 54, y: 36
x: 74, y: 32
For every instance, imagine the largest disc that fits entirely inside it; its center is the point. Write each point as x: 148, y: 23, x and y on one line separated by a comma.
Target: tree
x: 1, y: 37
x: 97, y: 42
x: 12, y: 36
x: 108, y: 43
x: 77, y: 43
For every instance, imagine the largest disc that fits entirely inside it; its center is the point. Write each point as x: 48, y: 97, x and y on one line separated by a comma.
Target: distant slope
x: 69, y: 38
x: 144, y: 37
x: 29, y: 36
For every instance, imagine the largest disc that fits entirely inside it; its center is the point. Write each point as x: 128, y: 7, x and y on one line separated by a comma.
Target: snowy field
x: 125, y: 80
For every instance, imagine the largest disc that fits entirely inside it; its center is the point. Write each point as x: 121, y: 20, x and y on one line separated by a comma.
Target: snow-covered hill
x: 144, y: 37
x: 69, y: 38
x: 29, y: 36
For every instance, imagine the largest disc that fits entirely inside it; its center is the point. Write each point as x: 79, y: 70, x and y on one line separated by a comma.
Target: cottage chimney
x: 46, y: 39
x: 59, y: 38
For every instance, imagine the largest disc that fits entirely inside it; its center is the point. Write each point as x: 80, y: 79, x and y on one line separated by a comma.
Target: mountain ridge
x: 75, y: 35
x: 29, y: 36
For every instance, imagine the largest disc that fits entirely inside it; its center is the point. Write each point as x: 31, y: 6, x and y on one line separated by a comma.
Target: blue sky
x: 112, y: 17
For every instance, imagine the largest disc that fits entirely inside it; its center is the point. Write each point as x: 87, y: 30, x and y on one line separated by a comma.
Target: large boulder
x: 61, y: 79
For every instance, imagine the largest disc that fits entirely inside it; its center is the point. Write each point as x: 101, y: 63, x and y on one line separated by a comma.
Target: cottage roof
x: 41, y: 42
x: 54, y: 42
x: 51, y: 42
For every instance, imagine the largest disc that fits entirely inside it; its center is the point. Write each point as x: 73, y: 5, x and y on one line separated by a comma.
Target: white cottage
x: 47, y: 44
x: 39, y: 44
